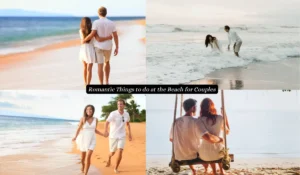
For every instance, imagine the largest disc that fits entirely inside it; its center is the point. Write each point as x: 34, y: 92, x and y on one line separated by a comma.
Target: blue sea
x: 18, y: 134
x: 20, y: 34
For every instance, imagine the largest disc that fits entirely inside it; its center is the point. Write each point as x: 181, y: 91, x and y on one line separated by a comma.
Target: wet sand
x: 61, y: 157
x: 257, y: 76
x: 49, y: 158
x: 57, y: 66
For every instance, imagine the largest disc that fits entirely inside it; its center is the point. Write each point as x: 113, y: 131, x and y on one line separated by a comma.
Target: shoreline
x: 35, y: 69
x: 261, y: 75
x: 60, y: 156
x: 70, y: 42
x: 47, y: 158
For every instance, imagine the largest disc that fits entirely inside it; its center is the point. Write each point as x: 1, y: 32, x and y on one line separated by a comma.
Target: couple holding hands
x: 86, y: 134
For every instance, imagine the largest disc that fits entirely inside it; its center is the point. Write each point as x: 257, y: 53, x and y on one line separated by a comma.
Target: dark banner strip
x: 152, y: 89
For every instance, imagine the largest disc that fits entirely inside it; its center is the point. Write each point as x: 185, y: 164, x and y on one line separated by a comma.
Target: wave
x: 290, y: 27
x: 164, y: 28
x: 201, y: 61
x: 74, y: 123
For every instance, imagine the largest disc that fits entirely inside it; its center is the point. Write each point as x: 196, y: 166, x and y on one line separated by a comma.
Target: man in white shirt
x: 187, y: 134
x: 117, y: 134
x: 104, y: 27
x: 233, y: 37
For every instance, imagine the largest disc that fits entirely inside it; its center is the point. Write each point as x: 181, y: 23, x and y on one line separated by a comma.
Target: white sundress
x: 87, y: 138
x: 87, y: 51
x: 215, y: 48
x: 210, y: 151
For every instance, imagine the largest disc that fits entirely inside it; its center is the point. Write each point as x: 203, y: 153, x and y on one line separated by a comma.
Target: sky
x: 262, y: 100
x: 57, y: 104
x: 229, y: 12
x: 80, y: 7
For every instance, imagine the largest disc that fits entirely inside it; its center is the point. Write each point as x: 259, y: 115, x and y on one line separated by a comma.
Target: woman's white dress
x: 87, y: 138
x: 215, y: 47
x: 211, y: 151
x: 87, y: 51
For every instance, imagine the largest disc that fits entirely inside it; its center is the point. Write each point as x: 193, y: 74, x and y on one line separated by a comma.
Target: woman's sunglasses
x: 123, y: 118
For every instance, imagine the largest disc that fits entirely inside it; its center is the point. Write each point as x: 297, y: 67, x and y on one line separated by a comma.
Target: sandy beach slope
x: 57, y: 66
x: 242, y: 166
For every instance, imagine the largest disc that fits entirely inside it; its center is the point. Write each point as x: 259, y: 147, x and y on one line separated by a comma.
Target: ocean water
x: 19, y: 134
x: 20, y: 34
x: 253, y: 134
x: 177, y: 54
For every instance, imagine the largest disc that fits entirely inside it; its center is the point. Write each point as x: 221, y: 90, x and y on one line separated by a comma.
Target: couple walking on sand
x: 86, y: 140
x: 199, y: 137
x: 232, y: 37
x: 96, y: 45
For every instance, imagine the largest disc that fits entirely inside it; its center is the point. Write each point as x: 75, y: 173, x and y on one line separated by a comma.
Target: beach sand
x: 49, y: 158
x: 134, y: 155
x: 241, y: 166
x: 272, y: 75
x: 61, y: 157
x: 57, y: 66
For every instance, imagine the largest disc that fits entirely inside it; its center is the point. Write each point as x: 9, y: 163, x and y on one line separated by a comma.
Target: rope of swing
x: 174, y: 118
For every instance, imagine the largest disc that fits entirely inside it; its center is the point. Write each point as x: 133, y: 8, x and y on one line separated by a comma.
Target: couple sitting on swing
x: 199, y: 137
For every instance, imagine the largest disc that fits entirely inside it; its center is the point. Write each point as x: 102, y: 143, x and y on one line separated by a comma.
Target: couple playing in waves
x: 199, y: 137
x: 232, y: 37
x: 96, y: 45
x: 86, y: 140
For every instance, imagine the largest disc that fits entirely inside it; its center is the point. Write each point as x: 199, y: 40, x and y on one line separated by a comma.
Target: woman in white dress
x: 214, y: 43
x: 213, y: 124
x: 86, y: 141
x: 87, y: 52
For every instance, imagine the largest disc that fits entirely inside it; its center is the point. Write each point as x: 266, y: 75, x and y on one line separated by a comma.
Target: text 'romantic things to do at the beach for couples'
x: 152, y: 89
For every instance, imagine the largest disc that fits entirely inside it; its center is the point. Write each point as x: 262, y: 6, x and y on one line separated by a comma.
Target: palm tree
x: 133, y: 110
x: 113, y: 104
x: 131, y: 107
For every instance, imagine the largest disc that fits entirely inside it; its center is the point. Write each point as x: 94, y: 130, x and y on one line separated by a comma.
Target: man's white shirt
x: 117, y: 125
x: 104, y: 28
x: 233, y: 37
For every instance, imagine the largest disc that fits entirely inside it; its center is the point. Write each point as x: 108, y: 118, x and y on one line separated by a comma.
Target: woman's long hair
x: 207, y: 39
x: 85, y: 114
x: 207, y: 109
x: 86, y: 26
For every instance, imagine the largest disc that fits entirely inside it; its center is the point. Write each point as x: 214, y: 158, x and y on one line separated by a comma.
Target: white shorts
x: 115, y: 144
x: 102, y: 56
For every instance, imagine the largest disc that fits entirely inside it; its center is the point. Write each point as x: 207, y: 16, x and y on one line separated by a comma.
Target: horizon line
x: 37, y: 117
x: 79, y: 16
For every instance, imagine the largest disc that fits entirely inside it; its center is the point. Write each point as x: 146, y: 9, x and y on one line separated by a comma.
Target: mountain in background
x: 28, y: 13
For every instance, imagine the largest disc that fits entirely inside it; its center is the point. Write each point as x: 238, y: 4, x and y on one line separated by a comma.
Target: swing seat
x: 175, y: 166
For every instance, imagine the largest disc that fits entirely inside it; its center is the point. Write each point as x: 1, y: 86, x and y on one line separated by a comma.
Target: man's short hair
x: 121, y: 100
x: 227, y: 27
x: 102, y: 11
x: 188, y: 104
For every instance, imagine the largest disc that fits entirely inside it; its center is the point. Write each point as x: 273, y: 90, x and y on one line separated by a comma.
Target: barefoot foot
x: 108, y: 163
x: 116, y: 171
